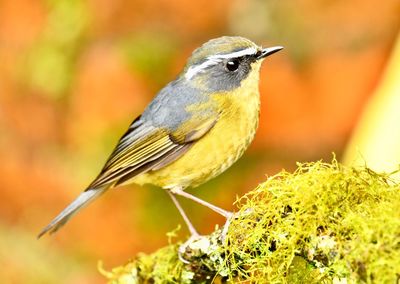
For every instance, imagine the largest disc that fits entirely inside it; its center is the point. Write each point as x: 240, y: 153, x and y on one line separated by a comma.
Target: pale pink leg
x: 191, y: 228
x: 179, y: 191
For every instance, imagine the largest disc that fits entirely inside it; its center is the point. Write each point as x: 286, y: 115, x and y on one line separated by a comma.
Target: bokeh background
x: 74, y: 74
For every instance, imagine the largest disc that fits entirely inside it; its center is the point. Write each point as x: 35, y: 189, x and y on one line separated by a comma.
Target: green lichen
x: 324, y: 223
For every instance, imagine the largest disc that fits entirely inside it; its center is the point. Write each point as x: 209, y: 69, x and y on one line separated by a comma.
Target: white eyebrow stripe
x: 240, y: 53
x: 193, y: 70
x: 215, y: 59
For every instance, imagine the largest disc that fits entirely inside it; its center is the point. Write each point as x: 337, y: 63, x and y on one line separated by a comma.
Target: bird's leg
x: 191, y: 228
x: 179, y: 191
x: 195, y: 236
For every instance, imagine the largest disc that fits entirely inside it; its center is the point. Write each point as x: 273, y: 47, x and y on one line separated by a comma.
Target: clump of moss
x: 322, y: 223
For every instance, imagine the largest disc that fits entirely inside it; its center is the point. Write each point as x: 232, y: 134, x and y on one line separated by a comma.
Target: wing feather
x: 154, y: 145
x: 145, y: 147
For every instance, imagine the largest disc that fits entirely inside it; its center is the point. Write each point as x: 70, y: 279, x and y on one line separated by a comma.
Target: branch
x: 325, y: 222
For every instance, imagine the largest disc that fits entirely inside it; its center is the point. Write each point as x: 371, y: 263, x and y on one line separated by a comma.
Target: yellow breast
x: 221, y: 146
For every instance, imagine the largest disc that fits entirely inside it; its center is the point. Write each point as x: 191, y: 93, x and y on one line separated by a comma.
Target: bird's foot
x: 195, y: 245
x: 198, y: 246
x: 229, y: 217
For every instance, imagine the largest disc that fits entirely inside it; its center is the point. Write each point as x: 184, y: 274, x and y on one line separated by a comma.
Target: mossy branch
x: 323, y: 223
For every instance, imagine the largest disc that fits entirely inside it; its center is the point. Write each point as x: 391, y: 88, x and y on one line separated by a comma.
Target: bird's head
x: 222, y: 64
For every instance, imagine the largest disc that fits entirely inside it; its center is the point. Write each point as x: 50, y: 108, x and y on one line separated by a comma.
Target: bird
x: 195, y: 128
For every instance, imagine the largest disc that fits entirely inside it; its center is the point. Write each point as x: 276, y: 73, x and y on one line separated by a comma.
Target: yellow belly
x: 218, y: 149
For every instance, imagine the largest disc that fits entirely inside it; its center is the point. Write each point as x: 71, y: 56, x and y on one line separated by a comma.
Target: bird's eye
x: 232, y: 65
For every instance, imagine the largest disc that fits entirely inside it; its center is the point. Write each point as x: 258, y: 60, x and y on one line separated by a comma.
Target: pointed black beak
x: 268, y: 51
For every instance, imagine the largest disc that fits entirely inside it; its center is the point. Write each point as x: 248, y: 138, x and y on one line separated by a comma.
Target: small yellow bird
x: 193, y: 130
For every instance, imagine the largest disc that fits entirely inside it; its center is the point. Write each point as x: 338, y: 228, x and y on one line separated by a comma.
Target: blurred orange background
x: 74, y: 74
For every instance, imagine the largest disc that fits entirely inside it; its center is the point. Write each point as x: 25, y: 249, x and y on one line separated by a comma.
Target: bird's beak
x: 268, y: 51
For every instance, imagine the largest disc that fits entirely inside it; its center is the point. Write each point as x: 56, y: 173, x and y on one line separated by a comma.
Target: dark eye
x: 232, y: 65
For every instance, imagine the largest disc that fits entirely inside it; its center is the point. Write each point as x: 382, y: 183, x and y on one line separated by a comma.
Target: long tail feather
x: 81, y: 201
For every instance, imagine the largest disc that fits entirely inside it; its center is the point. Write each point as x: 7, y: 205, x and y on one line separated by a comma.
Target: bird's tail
x: 81, y: 201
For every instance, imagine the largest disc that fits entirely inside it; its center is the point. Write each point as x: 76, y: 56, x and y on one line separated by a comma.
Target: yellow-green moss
x: 323, y: 223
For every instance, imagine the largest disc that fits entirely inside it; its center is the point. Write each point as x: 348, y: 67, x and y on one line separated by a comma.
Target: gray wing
x: 165, y: 131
